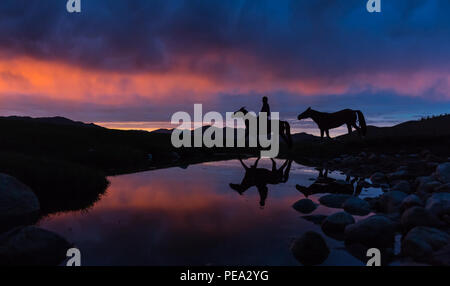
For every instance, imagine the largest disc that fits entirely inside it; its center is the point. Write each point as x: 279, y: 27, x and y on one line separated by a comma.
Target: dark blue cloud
x: 294, y: 38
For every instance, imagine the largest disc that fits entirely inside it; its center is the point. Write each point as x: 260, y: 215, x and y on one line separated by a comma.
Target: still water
x: 193, y: 217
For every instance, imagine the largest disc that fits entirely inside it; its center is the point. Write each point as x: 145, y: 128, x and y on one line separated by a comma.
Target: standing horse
x: 327, y: 121
x: 284, y: 127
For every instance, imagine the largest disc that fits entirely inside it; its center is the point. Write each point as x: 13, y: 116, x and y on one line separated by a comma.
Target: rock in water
x: 31, y: 245
x: 337, y: 222
x: 18, y: 203
x: 439, y: 204
x: 421, y: 242
x: 378, y: 178
x: 316, y: 219
x: 443, y: 173
x: 356, y: 206
x: 310, y: 249
x: 305, y: 206
x: 374, y: 231
x: 334, y: 200
x: 411, y: 201
x: 391, y: 201
x: 418, y: 216
x: 402, y: 186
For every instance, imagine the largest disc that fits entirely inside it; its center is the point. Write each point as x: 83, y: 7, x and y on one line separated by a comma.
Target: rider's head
x: 265, y: 99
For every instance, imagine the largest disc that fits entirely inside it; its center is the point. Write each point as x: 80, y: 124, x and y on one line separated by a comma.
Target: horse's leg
x: 321, y: 133
x: 328, y: 133
x: 357, y: 129
x: 349, y: 127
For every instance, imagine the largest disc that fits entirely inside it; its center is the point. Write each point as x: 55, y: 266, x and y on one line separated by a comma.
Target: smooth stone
x: 310, y: 249
x: 402, y: 186
x: 442, y: 256
x: 337, y: 222
x: 442, y: 188
x: 421, y: 242
x: 374, y: 231
x: 18, y: 203
x: 334, y: 200
x: 428, y: 187
x: 439, y: 204
x: 398, y: 175
x: 411, y: 201
x: 32, y: 245
x: 391, y: 201
x: 378, y: 178
x: 356, y: 206
x: 305, y: 206
x: 418, y: 216
x: 316, y: 219
x: 443, y: 173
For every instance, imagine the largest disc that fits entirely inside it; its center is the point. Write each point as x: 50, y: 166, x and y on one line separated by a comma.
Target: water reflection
x: 261, y: 177
x: 190, y: 217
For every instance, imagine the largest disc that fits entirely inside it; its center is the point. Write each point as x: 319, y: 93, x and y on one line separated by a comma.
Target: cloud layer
x: 137, y: 53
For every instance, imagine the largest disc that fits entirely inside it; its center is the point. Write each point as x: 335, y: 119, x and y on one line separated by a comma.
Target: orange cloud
x: 60, y: 81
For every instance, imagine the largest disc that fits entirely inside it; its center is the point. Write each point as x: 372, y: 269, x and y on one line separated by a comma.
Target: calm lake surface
x: 193, y: 217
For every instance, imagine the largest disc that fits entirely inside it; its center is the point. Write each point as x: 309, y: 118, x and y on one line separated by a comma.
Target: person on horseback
x: 266, y: 108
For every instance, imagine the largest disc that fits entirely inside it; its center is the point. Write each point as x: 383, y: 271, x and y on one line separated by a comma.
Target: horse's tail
x: 362, y: 122
x: 288, y: 134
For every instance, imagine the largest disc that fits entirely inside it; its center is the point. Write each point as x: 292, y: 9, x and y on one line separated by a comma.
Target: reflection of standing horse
x: 327, y: 121
x: 260, y: 177
x: 284, y: 127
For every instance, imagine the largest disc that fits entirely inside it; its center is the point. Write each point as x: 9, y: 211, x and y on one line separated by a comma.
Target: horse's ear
x: 309, y: 108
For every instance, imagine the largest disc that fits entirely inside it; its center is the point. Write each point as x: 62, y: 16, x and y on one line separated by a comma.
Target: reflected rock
x: 315, y: 219
x: 310, y: 249
x: 31, y: 245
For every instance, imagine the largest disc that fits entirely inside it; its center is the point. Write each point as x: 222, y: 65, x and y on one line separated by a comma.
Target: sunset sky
x: 139, y: 61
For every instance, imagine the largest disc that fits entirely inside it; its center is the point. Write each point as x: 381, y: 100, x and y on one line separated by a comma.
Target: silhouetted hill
x: 162, y: 131
x: 51, y: 120
x: 437, y: 126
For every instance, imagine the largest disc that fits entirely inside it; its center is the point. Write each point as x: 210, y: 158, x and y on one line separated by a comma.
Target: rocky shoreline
x: 414, y: 208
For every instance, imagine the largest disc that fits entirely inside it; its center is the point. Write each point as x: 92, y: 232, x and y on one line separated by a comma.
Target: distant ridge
x: 57, y: 120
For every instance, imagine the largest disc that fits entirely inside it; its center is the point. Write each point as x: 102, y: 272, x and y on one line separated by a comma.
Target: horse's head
x: 242, y: 110
x: 305, y: 114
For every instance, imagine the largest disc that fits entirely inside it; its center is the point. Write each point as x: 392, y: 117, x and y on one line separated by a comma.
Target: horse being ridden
x: 284, y: 127
x: 327, y: 121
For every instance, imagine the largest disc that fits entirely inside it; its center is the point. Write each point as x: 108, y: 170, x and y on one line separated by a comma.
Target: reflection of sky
x: 191, y: 216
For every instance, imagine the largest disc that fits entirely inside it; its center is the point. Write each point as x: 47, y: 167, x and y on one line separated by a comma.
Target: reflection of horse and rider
x: 261, y: 177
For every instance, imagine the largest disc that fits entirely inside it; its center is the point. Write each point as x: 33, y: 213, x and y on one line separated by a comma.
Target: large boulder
x: 31, y: 245
x: 418, y: 216
x: 391, y: 201
x: 445, y: 188
x: 337, y: 222
x: 305, y: 206
x: 402, y: 186
x: 442, y: 256
x: 443, y: 173
x: 378, y: 178
x: 421, y: 242
x: 411, y: 201
x: 439, y: 204
x: 18, y: 203
x: 356, y: 206
x: 310, y: 249
x: 334, y: 200
x: 374, y: 231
